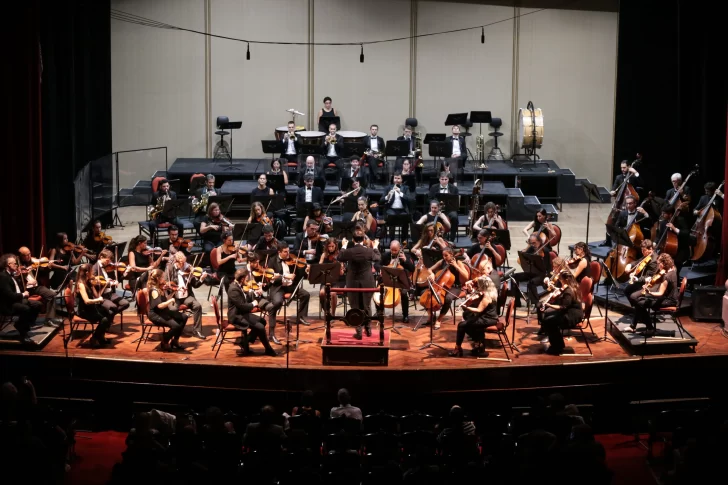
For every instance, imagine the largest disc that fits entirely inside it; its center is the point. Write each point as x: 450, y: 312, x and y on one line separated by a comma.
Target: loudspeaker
x: 707, y: 303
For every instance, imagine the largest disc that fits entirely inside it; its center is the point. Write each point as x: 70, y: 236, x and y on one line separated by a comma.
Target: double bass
x: 668, y: 242
x: 677, y: 197
x: 623, y: 191
x: 701, y: 230
x: 623, y: 255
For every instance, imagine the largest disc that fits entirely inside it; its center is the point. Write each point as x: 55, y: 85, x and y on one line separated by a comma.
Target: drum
x: 282, y: 130
x: 352, y: 136
x: 311, y: 137
x: 530, y: 127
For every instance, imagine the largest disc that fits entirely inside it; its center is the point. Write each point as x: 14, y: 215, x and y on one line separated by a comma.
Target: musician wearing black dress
x: 562, y: 311
x: 534, y: 275
x: 461, y: 274
x: 646, y: 271
x: 91, y: 243
x: 162, y: 312
x: 485, y: 243
x: 90, y: 306
x: 14, y: 300
x: 240, y: 314
x: 476, y: 318
x: 403, y: 262
x: 662, y: 291
x: 67, y: 260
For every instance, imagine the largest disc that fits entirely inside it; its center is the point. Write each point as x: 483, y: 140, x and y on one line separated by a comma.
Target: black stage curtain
x: 21, y: 212
x: 671, y: 93
x: 76, y: 89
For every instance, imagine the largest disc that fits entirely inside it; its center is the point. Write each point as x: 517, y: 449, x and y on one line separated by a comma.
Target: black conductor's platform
x: 668, y: 338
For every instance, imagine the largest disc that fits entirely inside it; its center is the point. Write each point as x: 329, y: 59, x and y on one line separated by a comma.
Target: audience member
x: 345, y: 408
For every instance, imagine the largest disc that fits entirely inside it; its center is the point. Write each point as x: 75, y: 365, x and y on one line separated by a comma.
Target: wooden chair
x: 595, y: 268
x: 671, y: 311
x: 587, y: 299
x: 224, y: 327
x: 74, y: 320
x: 142, y: 305
x: 500, y: 329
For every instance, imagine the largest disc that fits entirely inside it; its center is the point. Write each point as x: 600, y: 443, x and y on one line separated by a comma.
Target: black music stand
x: 397, y: 148
x: 607, y: 321
x: 172, y: 209
x: 272, y: 203
x: 221, y: 200
x: 532, y: 264
x: 431, y: 256
x: 276, y: 182
x: 394, y: 278
x: 310, y: 150
x: 434, y: 296
x: 452, y: 203
x: 328, y: 120
x: 398, y: 221
x: 325, y: 274
x: 456, y: 119
x: 298, y: 320
x: 343, y: 229
x: 410, y: 181
x: 272, y: 147
x: 592, y: 195
x: 231, y: 125
x: 440, y: 149
x: 354, y: 149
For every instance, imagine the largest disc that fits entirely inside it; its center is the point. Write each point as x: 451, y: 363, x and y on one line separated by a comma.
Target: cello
x: 443, y: 281
x: 702, y: 228
x: 392, y: 296
x: 623, y: 191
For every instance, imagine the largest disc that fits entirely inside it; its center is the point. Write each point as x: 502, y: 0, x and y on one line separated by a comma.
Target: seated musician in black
x: 14, y: 300
x: 262, y: 188
x: 179, y: 271
x: 25, y: 260
x: 141, y: 261
x: 91, y: 306
x: 159, y: 200
x: 285, y: 281
x: 490, y: 220
x: 267, y: 240
x: 477, y: 317
x: 309, y: 169
x: 641, y: 271
x: 91, y: 243
x: 662, y: 291
x: 354, y: 169
x: 710, y: 189
x: 461, y: 273
x: 212, y: 228
x: 226, y: 255
x: 580, y: 264
x: 435, y: 216
x: 350, y: 201
x: 444, y: 188
x: 241, y: 304
x: 203, y: 194
x: 562, y: 311
x: 113, y: 302
x: 64, y: 260
x: 395, y: 201
x: 679, y: 227
x: 534, y: 275
x: 487, y: 247
x: 632, y: 215
x: 403, y: 260
x: 173, y: 244
x: 308, y: 244
x: 162, y: 312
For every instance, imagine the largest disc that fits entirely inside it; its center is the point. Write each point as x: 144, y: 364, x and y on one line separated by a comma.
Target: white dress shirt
x: 309, y: 193
x: 17, y: 288
x: 397, y: 203
x: 455, y: 147
x: 291, y: 150
x: 375, y: 144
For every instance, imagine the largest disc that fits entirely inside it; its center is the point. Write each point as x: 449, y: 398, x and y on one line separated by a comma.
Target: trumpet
x: 291, y: 136
x: 331, y: 139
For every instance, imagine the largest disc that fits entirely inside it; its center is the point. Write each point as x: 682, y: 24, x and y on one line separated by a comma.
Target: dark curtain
x: 723, y: 265
x: 21, y: 212
x: 671, y: 92
x: 76, y: 43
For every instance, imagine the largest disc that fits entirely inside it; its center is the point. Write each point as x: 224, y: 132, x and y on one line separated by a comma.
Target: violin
x: 103, y: 238
x: 266, y: 274
x: 97, y: 281
x: 551, y: 297
x: 42, y: 262
x: 265, y: 220
x: 170, y: 286
x: 241, y: 249
x: 222, y: 221
x: 183, y: 243
x: 250, y: 285
x: 195, y: 272
x: 77, y: 248
x: 120, y: 267
x: 293, y: 261
x: 651, y: 281
x: 154, y: 251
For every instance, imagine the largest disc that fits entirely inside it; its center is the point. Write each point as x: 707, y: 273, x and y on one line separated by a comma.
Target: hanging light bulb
x: 361, y: 56
x: 482, y: 35
x: 247, y: 54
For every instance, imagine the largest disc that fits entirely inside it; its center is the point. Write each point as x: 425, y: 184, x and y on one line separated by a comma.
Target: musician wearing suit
x: 308, y: 244
x: 459, y: 152
x: 445, y: 187
x: 374, y: 143
x: 680, y: 228
x: 359, y: 275
x: 677, y: 181
x: 308, y: 193
x: 332, y: 146
x: 310, y: 169
x: 14, y: 301
x: 710, y: 190
x: 158, y: 200
x: 395, y: 201
x: 354, y: 169
x: 285, y: 282
x: 634, y: 179
x: 240, y: 306
x: 632, y: 214
x: 290, y: 143
x: 403, y: 262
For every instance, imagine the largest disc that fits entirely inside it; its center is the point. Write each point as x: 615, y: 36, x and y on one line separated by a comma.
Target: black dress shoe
x: 305, y: 322
x: 52, y: 324
x: 242, y: 352
x: 554, y: 350
x: 270, y: 352
x: 456, y: 353
x: 357, y: 335
x: 199, y: 335
x: 405, y: 319
x: 368, y: 331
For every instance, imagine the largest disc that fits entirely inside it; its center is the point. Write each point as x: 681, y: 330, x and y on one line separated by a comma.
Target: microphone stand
x: 432, y: 318
x: 606, y: 312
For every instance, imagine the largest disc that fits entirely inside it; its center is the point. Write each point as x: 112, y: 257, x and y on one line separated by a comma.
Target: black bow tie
x: 632, y: 213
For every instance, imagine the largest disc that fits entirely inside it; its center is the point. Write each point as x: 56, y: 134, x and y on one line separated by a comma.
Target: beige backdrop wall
x: 564, y: 61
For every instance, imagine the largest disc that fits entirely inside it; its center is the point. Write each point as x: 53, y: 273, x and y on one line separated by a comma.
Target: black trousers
x: 26, y: 311
x: 276, y: 298
x: 643, y: 305
x: 172, y: 319
x: 114, y: 303
x: 453, y: 216
x: 450, y: 296
x: 48, y: 296
x: 473, y: 324
x: 194, y: 306
x: 99, y: 315
x: 552, y: 321
x: 404, y: 299
x: 405, y: 228
x: 630, y: 290
x: 256, y: 329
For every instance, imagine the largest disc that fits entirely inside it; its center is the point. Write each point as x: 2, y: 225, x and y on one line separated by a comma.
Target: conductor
x: 359, y: 275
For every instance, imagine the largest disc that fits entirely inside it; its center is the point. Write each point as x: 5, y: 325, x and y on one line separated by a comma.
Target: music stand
x: 310, y: 149
x: 325, y: 274
x: 398, y: 221
x: 592, y: 194
x: 272, y: 147
x: 171, y: 208
x: 410, y: 181
x: 431, y: 256
x: 272, y: 203
x: 394, y: 278
x: 354, y: 149
x: 328, y: 120
x: 456, y: 119
x: 342, y: 229
x: 276, y: 182
x: 231, y: 125
x: 532, y: 264
x: 221, y: 200
x: 433, y: 296
x: 452, y: 203
x: 503, y: 236
x: 442, y: 149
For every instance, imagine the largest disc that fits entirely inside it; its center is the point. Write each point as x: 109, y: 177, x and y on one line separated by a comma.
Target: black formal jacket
x: 463, y: 151
x: 380, y: 143
x: 623, y: 217
x: 345, y: 172
x: 172, y: 195
x: 317, y: 174
x: 683, y: 239
x: 296, y: 145
x: 301, y: 240
x: 634, y: 181
x: 406, y: 264
x: 359, y: 271
x: 239, y: 303
x: 649, y: 270
x: 717, y: 203
x: 339, y: 146
x: 405, y: 197
x: 317, y: 195
x: 8, y: 295
x: 671, y: 192
x: 435, y: 190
